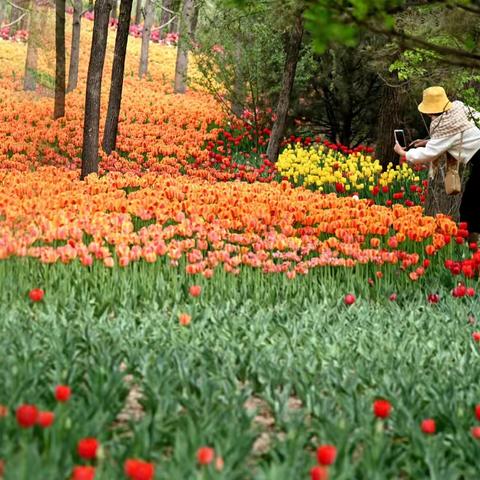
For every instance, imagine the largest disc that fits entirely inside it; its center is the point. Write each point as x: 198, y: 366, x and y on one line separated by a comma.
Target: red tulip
x: 393, y: 297
x: 476, y: 336
x: 318, y: 473
x: 83, y: 473
x: 382, y: 408
x: 62, y: 393
x: 36, y: 295
x: 27, y: 415
x: 477, y: 411
x: 349, y: 299
x: 428, y: 426
x: 326, y: 454
x: 87, y: 448
x: 184, y: 319
x: 45, y: 419
x: 195, y: 290
x: 433, y: 297
x: 138, y: 469
x: 205, y: 455
x: 470, y: 292
x: 476, y: 432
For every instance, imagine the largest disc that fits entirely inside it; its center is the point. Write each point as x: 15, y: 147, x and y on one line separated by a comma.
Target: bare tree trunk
x: 147, y: 27
x: 114, y: 12
x: 181, y: 67
x: 60, y: 62
x: 195, y: 19
x: 15, y: 15
x: 116, y: 87
x: 293, y: 52
x: 138, y: 12
x: 238, y: 102
x: 165, y: 16
x: 389, y: 118
x: 175, y: 6
x: 75, y: 49
x: 94, y: 87
x: 30, y: 80
x: 437, y: 200
x: 3, y: 11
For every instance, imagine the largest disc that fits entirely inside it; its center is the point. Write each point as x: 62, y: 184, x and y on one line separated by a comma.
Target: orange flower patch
x: 124, y: 218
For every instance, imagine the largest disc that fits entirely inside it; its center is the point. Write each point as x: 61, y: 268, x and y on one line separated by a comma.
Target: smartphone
x: 400, y: 138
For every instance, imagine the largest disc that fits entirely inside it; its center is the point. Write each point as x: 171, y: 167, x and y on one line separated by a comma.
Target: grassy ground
x: 266, y: 371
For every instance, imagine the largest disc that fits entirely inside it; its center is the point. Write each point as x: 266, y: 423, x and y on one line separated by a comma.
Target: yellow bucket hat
x: 435, y: 100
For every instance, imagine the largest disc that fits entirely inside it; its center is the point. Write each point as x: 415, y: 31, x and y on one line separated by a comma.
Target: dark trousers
x: 470, y: 206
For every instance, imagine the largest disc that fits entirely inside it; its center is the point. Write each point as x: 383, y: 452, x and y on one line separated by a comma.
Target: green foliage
x: 307, y: 365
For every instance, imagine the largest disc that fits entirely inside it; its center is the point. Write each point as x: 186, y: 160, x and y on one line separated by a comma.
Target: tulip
x: 27, y: 415
x: 326, y: 455
x: 36, y: 295
x: 87, y: 448
x: 318, y: 473
x: 205, y: 455
x: 349, y: 299
x: 62, y: 393
x: 382, y: 408
x: 428, y: 426
x: 45, y: 419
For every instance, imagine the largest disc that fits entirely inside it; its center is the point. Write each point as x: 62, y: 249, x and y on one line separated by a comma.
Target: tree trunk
x: 175, y: 6
x: 238, y: 100
x: 114, y: 11
x: 437, y: 200
x: 186, y: 32
x: 138, y: 12
x: 293, y: 53
x: 60, y: 62
x: 30, y: 80
x: 147, y: 27
x: 94, y: 87
x: 165, y: 17
x: 116, y: 87
x: 3, y: 12
x: 195, y: 19
x: 15, y: 15
x: 389, y: 119
x: 75, y: 49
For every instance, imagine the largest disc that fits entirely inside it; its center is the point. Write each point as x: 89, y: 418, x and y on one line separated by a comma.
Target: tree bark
x: 186, y: 32
x: 147, y: 27
x: 60, y: 61
x: 293, y: 53
x: 75, y: 48
x: 138, y: 12
x: 114, y: 11
x: 389, y: 119
x: 238, y: 100
x: 30, y: 80
x: 175, y: 6
x: 437, y: 201
x: 195, y: 19
x: 116, y: 86
x: 16, y: 13
x: 94, y: 87
x: 165, y: 16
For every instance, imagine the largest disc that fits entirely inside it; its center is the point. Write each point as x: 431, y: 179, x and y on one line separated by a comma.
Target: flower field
x: 197, y: 312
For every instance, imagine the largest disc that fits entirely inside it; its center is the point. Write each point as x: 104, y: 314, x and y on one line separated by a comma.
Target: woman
x: 452, y: 130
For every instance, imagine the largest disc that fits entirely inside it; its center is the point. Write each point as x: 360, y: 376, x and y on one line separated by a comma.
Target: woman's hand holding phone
x: 418, y: 143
